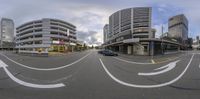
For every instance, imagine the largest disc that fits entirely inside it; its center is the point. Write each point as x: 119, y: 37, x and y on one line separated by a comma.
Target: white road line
x: 199, y: 65
x: 48, y: 81
x: 3, y: 65
x: 146, y: 86
x: 47, y: 69
x: 167, y: 67
x: 131, y: 61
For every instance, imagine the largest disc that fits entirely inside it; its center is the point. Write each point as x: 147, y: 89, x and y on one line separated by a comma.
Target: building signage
x: 72, y: 44
x: 133, y: 40
x: 55, y: 42
x: 58, y: 42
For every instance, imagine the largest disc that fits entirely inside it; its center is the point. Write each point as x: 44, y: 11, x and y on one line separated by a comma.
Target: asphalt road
x: 88, y: 75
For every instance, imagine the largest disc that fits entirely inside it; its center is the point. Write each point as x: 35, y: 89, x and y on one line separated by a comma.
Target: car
x: 109, y: 53
x: 102, y: 51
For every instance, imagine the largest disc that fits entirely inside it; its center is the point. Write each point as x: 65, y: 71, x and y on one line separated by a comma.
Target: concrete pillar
x: 129, y: 50
x: 46, y: 49
x: 151, y: 48
x: 72, y: 48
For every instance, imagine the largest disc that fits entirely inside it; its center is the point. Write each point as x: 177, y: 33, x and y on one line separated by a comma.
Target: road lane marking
x: 152, y: 61
x: 199, y: 65
x: 145, y: 86
x: 47, y: 69
x: 130, y: 61
x: 167, y: 60
x: 3, y: 65
x: 167, y: 67
x: 47, y: 81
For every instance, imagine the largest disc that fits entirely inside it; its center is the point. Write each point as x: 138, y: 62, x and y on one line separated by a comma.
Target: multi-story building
x: 130, y: 25
x: 106, y: 32
x: 7, y: 33
x: 130, y: 32
x: 178, y: 28
x: 46, y: 35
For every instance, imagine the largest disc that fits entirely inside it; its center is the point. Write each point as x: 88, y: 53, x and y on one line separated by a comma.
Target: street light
x: 162, y: 28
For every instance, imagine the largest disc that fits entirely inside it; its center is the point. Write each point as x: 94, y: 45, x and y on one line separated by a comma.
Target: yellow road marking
x: 167, y: 59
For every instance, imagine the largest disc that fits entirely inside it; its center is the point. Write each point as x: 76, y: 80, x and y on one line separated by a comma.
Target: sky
x: 89, y: 16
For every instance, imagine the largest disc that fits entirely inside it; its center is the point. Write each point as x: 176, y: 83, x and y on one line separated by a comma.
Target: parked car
x: 101, y: 51
x: 109, y: 53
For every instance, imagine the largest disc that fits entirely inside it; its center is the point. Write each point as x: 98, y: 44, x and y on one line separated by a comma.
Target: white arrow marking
x: 167, y: 67
x: 3, y: 65
x: 46, y: 69
x: 146, y: 86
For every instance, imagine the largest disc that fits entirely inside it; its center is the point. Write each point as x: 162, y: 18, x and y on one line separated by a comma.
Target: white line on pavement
x: 48, y: 81
x: 146, y: 86
x: 47, y: 69
x: 130, y: 61
x: 3, y: 65
x: 167, y: 67
x: 199, y: 65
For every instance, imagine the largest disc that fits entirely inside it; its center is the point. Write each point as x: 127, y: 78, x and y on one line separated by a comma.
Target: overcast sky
x: 91, y: 15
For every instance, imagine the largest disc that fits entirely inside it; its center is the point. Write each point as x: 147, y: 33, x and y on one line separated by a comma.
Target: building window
x: 38, y: 42
x: 38, y: 30
x: 38, y: 36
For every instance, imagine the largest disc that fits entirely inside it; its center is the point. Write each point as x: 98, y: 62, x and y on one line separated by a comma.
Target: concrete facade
x: 131, y: 33
x: 7, y: 33
x: 130, y: 25
x: 178, y: 28
x: 46, y: 35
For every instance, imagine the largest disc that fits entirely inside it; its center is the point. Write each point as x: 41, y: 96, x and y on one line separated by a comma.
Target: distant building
x: 106, y: 32
x: 153, y: 32
x: 7, y: 33
x: 197, y: 38
x: 190, y: 43
x: 46, y: 35
x: 178, y: 28
x: 196, y: 43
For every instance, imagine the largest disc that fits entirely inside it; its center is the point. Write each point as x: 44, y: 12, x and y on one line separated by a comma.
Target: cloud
x: 90, y: 37
x: 159, y: 29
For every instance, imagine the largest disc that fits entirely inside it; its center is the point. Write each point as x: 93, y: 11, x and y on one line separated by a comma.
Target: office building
x: 46, y: 35
x: 130, y: 25
x: 130, y: 32
x: 178, y: 28
x: 6, y: 34
x: 106, y: 32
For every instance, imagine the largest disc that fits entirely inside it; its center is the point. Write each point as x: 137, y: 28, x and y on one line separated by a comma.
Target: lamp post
x: 162, y: 28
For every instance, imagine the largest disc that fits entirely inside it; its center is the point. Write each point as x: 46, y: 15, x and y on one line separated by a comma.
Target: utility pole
x: 162, y: 29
